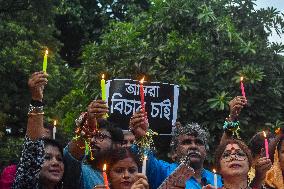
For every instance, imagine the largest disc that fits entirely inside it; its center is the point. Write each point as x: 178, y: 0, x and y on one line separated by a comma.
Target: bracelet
x: 33, y: 114
x: 231, y: 124
x: 230, y: 118
x: 36, y: 103
x: 233, y: 127
x: 35, y: 110
x: 81, y: 119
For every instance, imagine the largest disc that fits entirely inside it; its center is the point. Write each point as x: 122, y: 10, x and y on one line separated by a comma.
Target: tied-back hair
x: 221, y: 148
x: 257, y: 143
x: 279, y: 144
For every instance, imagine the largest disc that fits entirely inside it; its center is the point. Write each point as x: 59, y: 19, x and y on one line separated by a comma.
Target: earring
x: 60, y: 186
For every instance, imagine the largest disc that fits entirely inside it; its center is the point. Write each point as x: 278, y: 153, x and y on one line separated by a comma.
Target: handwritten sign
x: 161, y: 103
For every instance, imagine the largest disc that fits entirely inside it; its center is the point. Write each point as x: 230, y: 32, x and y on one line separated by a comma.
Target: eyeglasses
x: 238, y: 155
x: 101, y: 137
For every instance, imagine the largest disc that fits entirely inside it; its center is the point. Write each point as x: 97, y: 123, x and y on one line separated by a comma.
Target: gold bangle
x: 34, y: 114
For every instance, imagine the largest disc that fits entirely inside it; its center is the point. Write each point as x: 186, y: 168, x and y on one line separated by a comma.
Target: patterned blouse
x: 31, y: 161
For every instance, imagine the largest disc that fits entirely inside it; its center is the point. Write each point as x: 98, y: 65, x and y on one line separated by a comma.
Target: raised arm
x: 138, y: 124
x: 96, y: 110
x: 74, y: 153
x: 35, y: 127
x: 32, y: 157
x: 235, y: 105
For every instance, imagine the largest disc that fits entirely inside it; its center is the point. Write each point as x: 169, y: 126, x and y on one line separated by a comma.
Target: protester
x: 189, y: 140
x: 260, y: 163
x: 123, y: 170
x: 233, y: 160
x: 128, y: 139
x: 41, y: 164
x: 274, y: 177
x: 84, y: 171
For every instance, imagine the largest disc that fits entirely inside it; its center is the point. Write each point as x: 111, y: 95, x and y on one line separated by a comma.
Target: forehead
x: 232, y: 147
x: 188, y: 137
x: 104, y: 131
x: 53, y: 150
x: 127, y: 162
x: 129, y: 136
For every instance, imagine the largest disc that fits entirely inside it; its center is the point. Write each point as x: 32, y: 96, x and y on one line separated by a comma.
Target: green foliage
x: 277, y: 124
x: 10, y: 150
x: 204, y: 47
x: 85, y: 21
x: 26, y: 30
x: 220, y: 101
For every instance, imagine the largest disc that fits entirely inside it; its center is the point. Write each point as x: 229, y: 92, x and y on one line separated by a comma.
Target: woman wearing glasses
x: 233, y: 160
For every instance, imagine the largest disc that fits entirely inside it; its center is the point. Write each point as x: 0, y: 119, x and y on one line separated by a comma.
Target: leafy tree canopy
x: 204, y: 47
x: 26, y: 31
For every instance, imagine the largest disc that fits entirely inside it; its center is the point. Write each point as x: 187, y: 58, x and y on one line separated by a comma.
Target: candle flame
x: 77, y: 130
x: 54, y: 122
x: 264, y: 134
x: 242, y: 78
x: 145, y: 157
x: 103, y: 76
x: 142, y: 80
x: 46, y: 52
x: 214, y: 171
x: 105, y: 167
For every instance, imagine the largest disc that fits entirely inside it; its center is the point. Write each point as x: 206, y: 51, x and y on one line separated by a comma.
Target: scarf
x: 274, y: 177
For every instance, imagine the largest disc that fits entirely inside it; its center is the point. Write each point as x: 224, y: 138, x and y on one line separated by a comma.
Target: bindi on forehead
x: 232, y: 147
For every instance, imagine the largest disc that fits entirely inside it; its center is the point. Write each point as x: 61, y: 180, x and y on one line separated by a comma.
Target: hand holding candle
x: 44, y: 65
x: 266, y: 145
x: 105, y: 177
x: 242, y: 87
x: 54, y: 129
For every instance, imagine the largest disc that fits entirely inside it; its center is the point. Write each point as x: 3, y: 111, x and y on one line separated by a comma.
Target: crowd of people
x: 45, y: 164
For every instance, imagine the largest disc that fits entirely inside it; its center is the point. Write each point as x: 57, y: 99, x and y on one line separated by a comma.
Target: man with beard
x: 85, y: 172
x: 190, y: 142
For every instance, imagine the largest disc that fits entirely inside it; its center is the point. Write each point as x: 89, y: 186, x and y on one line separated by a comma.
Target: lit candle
x: 266, y: 145
x: 215, y: 178
x: 142, y: 95
x: 242, y: 87
x: 105, y: 177
x: 103, y: 87
x: 54, y: 129
x: 44, y: 65
x: 144, y: 165
x: 103, y: 90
